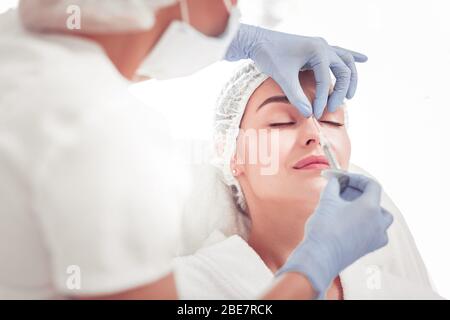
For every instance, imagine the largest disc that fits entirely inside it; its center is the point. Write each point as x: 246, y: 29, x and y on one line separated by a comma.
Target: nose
x: 308, y: 134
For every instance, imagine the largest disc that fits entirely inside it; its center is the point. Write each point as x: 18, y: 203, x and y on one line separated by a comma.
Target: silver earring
x: 234, y: 172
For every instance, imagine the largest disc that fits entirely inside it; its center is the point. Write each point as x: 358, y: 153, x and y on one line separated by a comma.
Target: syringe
x: 332, y: 161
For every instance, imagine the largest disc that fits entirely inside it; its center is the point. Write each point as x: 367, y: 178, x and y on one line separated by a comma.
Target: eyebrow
x: 273, y: 99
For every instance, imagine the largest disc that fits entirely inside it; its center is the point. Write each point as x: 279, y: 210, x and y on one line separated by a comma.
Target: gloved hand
x: 339, y: 232
x: 282, y: 56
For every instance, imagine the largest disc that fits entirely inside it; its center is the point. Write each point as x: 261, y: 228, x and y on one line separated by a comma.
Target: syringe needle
x: 332, y: 161
x: 334, y: 164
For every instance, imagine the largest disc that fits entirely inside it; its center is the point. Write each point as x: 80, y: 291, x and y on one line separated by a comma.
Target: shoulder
x: 58, y: 89
x: 53, y: 71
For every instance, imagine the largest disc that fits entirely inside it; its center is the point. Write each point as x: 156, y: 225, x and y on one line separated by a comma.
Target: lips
x: 312, y: 162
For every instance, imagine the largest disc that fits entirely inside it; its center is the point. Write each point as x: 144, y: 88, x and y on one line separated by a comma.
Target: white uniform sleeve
x: 102, y: 195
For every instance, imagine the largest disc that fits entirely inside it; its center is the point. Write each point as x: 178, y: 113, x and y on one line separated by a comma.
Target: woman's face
x: 278, y: 156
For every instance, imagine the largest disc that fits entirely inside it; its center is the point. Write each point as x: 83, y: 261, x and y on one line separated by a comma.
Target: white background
x: 399, y: 119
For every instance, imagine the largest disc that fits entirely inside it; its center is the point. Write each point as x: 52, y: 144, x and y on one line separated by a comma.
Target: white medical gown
x: 85, y: 181
x: 228, y: 268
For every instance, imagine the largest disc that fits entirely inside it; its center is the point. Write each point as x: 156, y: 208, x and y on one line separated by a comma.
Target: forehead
x: 270, y: 88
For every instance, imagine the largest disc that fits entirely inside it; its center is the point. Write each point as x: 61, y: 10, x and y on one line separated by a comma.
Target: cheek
x: 340, y: 142
x: 265, y: 149
x: 264, y: 159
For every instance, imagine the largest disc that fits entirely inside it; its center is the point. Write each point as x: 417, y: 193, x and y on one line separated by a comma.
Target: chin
x: 311, y: 180
x: 308, y: 202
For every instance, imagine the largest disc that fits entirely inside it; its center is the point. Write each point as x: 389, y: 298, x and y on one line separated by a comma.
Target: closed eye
x: 332, y: 123
x: 282, y: 124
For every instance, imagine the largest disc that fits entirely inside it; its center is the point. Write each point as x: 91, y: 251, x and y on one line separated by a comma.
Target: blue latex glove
x: 282, y: 56
x: 339, y: 232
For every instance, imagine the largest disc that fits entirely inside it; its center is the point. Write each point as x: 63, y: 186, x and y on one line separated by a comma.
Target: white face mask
x: 183, y: 50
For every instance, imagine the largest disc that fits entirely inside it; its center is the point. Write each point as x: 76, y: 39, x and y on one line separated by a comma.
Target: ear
x: 236, y: 169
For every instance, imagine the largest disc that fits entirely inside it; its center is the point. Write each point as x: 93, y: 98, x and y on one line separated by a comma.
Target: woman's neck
x: 274, y: 236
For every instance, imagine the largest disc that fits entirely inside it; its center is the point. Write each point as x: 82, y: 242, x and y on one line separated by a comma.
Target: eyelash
x: 332, y: 123
x: 283, y: 124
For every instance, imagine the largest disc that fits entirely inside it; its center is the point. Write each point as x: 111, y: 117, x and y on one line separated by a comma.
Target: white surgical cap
x: 229, y: 111
x: 96, y: 16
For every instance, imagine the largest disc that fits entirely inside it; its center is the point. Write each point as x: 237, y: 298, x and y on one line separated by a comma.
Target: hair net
x: 96, y: 16
x: 229, y: 111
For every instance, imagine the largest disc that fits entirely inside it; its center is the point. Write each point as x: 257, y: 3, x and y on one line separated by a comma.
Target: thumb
x: 294, y: 92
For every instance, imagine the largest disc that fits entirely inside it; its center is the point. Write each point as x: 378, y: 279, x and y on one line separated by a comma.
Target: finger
x: 358, y: 181
x: 330, y: 173
x: 349, y: 61
x: 385, y: 239
x: 372, y: 192
x: 367, y: 186
x: 323, y: 82
x: 357, y: 56
x: 388, y: 217
x: 294, y: 92
x: 342, y: 176
x: 342, y: 74
x: 350, y: 193
x: 331, y: 189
